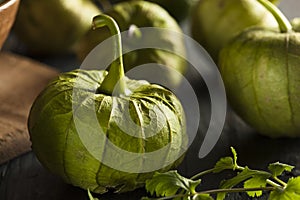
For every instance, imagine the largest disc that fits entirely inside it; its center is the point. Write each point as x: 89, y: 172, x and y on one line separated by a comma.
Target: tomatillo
x: 178, y: 9
x: 53, y: 26
x: 260, y: 69
x: 215, y: 22
x: 104, y: 132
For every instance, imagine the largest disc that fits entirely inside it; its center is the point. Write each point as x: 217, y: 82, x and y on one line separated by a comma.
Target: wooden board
x: 21, y: 80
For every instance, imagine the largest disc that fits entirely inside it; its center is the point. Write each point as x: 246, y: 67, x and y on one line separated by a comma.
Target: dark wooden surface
x: 21, y: 79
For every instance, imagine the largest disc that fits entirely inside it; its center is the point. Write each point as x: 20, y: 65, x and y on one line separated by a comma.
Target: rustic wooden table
x: 21, y: 80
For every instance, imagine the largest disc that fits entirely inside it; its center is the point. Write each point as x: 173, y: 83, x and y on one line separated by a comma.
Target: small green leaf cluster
x: 171, y: 185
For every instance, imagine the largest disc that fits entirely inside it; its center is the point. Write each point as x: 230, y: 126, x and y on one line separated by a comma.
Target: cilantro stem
x: 212, y: 171
x: 235, y: 190
x: 202, y: 173
x: 272, y: 183
x: 239, y: 168
x: 90, y: 195
x: 280, y: 181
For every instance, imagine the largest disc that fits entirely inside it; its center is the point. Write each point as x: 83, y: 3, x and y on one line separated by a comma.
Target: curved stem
x: 114, y: 82
x: 90, y: 195
x: 270, y: 182
x: 280, y: 181
x: 236, y: 190
x: 202, y: 174
x: 283, y: 22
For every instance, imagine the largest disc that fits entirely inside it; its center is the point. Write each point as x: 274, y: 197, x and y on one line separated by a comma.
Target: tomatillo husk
x: 260, y: 69
x: 53, y: 26
x: 101, y: 131
x: 215, y: 22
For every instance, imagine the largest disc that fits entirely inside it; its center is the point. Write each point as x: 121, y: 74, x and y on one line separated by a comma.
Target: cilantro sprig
x: 172, y: 185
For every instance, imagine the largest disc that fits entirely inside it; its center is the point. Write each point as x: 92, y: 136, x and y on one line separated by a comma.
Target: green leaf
x: 226, y: 162
x: 221, y: 196
x: 223, y: 164
x: 278, y: 168
x: 240, y: 177
x: 234, y: 157
x: 291, y: 191
x: 256, y: 181
x: 168, y: 183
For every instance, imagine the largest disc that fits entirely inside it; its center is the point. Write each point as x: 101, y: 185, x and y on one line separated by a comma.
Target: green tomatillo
x: 178, y: 9
x: 260, y: 69
x: 53, y: 26
x: 104, y: 132
x: 133, y: 15
x: 215, y: 22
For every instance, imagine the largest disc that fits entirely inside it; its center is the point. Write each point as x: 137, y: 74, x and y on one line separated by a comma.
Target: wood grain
x: 21, y: 80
